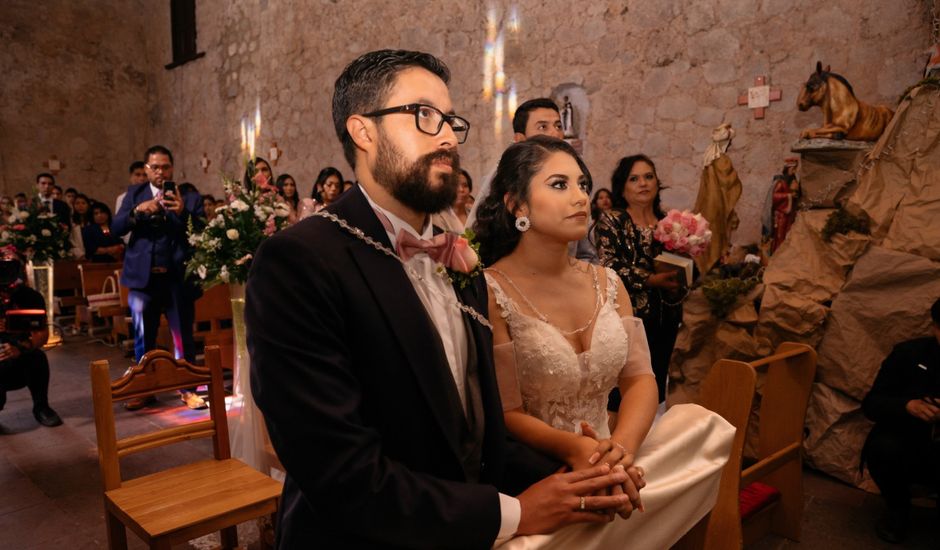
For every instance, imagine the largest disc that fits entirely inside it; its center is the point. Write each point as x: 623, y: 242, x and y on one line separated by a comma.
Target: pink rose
x: 464, y: 258
x: 269, y: 227
x: 19, y: 227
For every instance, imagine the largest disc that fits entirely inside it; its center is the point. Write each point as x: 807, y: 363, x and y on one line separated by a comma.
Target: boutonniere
x: 463, y: 263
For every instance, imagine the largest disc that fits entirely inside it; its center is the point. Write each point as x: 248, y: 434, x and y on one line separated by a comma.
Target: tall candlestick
x: 511, y: 102
x: 251, y: 141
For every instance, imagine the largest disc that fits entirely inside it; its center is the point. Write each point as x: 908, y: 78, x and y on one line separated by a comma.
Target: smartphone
x: 169, y: 187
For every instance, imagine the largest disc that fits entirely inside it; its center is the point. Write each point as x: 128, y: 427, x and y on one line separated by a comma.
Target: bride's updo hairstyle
x: 495, y: 225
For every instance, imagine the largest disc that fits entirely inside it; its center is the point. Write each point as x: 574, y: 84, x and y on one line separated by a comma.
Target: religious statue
x: 844, y: 116
x: 567, y: 120
x: 784, y: 201
x: 718, y: 193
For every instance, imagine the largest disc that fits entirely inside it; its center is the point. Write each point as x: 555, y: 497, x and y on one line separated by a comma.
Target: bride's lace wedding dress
x: 541, y: 372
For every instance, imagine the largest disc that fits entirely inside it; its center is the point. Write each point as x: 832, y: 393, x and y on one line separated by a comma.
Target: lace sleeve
x: 507, y: 378
x: 638, y: 353
x: 616, y: 250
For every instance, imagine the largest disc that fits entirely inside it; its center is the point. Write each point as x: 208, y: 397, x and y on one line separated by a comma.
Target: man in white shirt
x: 374, y: 372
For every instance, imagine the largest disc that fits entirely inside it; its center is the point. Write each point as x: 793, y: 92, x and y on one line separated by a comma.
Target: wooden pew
x: 729, y: 391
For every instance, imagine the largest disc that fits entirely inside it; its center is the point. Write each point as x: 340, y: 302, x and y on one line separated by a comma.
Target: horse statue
x: 844, y: 116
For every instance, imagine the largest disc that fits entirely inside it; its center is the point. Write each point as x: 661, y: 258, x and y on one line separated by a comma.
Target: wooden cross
x: 759, y: 96
x: 54, y: 165
x: 205, y: 162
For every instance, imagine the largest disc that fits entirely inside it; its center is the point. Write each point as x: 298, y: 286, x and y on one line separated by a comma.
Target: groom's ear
x: 363, y: 133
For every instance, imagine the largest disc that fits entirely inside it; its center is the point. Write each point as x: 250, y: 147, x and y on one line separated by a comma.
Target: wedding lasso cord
x: 359, y: 234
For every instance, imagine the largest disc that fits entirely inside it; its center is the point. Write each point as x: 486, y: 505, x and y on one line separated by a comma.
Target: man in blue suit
x: 156, y: 215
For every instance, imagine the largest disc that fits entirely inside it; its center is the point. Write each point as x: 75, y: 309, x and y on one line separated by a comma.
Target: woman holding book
x: 624, y: 240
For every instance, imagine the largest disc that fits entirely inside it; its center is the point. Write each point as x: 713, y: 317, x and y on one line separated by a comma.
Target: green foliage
x: 723, y: 293
x: 841, y: 222
x: 35, y: 234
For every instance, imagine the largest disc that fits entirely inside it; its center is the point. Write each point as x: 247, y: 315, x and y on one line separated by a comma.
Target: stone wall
x: 659, y: 76
x: 76, y: 84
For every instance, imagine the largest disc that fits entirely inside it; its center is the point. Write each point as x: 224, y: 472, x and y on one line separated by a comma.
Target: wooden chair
x: 93, y: 276
x: 729, y: 391
x: 223, y: 491
x: 67, y: 288
x: 213, y: 322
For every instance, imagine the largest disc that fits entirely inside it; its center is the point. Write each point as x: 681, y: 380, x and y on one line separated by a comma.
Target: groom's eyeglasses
x: 429, y: 120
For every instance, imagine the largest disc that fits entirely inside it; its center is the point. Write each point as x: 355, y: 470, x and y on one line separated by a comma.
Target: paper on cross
x: 758, y: 96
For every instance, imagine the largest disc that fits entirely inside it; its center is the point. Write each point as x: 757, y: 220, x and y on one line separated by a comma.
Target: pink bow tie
x: 439, y: 248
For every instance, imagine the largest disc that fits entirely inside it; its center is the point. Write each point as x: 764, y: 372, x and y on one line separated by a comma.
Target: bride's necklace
x: 541, y: 316
x: 359, y: 234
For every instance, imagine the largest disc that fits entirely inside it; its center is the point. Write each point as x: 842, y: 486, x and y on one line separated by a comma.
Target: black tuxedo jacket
x: 360, y: 403
x: 60, y: 209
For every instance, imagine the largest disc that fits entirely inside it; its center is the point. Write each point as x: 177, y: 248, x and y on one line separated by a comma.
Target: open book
x: 667, y: 261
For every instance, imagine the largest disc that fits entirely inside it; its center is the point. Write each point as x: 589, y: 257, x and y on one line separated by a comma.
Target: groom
x: 374, y: 374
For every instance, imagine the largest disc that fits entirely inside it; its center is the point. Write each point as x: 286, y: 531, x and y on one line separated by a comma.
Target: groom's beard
x: 411, y: 184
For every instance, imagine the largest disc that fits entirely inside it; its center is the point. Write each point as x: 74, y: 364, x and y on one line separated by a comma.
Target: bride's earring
x: 523, y: 224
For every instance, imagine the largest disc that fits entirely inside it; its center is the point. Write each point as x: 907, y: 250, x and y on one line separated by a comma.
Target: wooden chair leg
x: 117, y: 534
x: 789, y: 512
x: 229, y: 537
x: 268, y: 534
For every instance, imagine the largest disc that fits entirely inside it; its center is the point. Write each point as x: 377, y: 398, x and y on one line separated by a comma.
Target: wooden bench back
x: 157, y: 372
x: 729, y: 391
x: 93, y: 275
x: 66, y: 276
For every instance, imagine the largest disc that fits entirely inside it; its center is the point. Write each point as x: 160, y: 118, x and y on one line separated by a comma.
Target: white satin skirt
x: 683, y: 456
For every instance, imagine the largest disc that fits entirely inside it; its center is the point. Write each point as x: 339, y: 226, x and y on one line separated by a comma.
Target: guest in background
x: 6, y: 206
x: 347, y: 185
x: 624, y: 240
x: 535, y: 117
x: 326, y: 189
x: 903, y: 448
x: 45, y: 185
x: 208, y: 204
x: 287, y: 188
x: 454, y: 217
x: 261, y: 168
x: 57, y: 193
x: 603, y: 201
x: 137, y: 174
x: 154, y: 263
x: 20, y: 201
x: 81, y: 213
x: 70, y: 196
x: 101, y: 245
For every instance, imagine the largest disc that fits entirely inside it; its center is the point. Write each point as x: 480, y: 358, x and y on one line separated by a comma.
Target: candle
x: 488, y: 71
x: 258, y: 118
x: 498, y: 116
x: 514, y: 19
x: 251, y: 141
x: 511, y: 102
x: 244, y: 137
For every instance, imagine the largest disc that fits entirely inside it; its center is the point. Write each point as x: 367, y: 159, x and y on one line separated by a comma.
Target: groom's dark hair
x: 366, y: 82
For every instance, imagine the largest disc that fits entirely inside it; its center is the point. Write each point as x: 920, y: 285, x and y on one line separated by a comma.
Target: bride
x: 564, y: 336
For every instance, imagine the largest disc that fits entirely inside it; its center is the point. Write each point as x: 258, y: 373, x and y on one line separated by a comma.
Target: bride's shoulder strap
x: 504, y: 302
x: 613, y: 281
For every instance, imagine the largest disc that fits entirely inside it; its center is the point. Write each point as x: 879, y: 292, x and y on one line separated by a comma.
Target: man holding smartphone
x: 904, y: 446
x: 156, y: 215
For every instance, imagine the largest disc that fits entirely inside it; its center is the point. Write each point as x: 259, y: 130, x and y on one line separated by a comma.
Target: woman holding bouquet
x: 624, y: 240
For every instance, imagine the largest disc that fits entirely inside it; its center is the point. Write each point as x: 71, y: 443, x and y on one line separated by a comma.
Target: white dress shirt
x: 438, y: 297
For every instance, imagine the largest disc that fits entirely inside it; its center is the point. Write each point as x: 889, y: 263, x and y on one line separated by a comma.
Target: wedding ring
x: 582, y: 503
x: 622, y: 448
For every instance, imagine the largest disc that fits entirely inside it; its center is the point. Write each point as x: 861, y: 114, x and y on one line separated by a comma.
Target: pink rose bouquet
x: 683, y: 232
